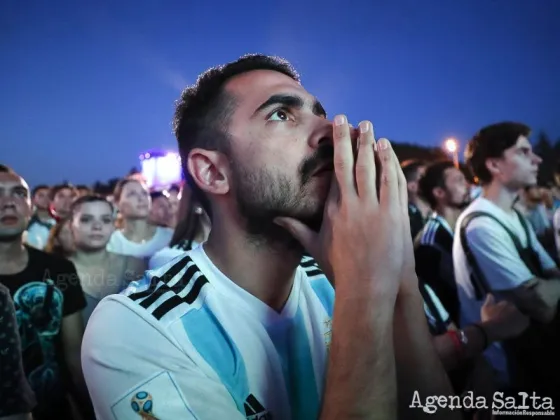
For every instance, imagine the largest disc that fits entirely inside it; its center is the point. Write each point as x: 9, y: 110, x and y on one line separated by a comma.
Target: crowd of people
x: 216, y: 298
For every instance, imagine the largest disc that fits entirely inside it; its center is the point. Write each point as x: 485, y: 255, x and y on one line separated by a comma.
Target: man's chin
x: 7, y: 236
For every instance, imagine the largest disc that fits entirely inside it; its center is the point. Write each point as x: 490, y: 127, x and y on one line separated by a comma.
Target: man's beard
x: 262, y: 195
x: 464, y: 204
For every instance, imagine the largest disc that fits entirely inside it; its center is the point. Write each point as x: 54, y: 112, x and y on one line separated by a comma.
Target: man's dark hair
x: 491, y: 142
x: 204, y: 109
x: 6, y: 169
x: 39, y: 188
x: 433, y: 177
x: 54, y: 190
x: 410, y: 168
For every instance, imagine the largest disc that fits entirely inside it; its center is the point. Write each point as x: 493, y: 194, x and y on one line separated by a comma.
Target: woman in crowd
x: 101, y: 272
x: 191, y: 230
x: 136, y: 236
x: 60, y: 240
x: 161, y: 212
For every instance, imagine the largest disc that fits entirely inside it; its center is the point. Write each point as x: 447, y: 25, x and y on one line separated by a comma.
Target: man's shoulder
x: 169, y: 292
x: 46, y: 261
x: 480, y: 215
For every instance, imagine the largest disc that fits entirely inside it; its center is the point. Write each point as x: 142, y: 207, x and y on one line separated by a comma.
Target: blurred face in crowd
x: 161, y: 213
x: 412, y: 184
x: 135, y: 202
x: 83, y: 191
x: 547, y: 198
x: 62, y: 202
x: 280, y: 161
x: 518, y: 167
x: 65, y: 238
x: 92, y: 225
x: 15, y: 206
x: 456, y: 191
x: 174, y: 197
x: 41, y: 199
x: 533, y: 194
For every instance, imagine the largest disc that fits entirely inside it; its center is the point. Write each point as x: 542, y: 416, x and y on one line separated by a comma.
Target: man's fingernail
x: 364, y: 127
x: 383, y: 144
x: 339, y: 120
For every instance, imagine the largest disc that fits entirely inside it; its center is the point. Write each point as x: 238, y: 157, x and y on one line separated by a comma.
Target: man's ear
x: 439, y: 193
x: 209, y: 170
x: 493, y: 166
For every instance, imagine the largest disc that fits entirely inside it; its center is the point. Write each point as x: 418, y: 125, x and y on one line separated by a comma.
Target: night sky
x: 86, y: 86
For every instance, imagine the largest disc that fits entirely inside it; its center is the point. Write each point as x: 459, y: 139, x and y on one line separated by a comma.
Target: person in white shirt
x: 137, y: 237
x: 487, y: 260
x: 244, y: 327
x: 41, y: 222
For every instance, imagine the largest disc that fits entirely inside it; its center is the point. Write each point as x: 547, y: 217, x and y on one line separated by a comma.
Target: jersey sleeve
x: 133, y: 367
x: 496, y: 255
x: 17, y: 396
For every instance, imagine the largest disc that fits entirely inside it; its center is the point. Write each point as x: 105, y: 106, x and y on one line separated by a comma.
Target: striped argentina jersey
x: 188, y: 343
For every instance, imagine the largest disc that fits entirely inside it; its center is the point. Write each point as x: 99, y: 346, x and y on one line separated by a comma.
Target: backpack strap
x: 529, y: 256
x: 523, y: 221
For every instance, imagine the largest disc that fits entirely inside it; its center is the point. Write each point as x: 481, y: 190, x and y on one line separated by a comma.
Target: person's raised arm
x: 360, y: 247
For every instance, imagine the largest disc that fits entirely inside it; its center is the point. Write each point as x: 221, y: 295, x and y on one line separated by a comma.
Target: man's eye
x: 279, y: 115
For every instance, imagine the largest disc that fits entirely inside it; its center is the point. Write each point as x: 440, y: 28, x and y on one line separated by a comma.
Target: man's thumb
x: 298, y: 230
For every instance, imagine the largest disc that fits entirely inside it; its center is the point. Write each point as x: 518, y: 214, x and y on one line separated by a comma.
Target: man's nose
x: 537, y: 159
x: 322, y: 134
x: 7, y: 203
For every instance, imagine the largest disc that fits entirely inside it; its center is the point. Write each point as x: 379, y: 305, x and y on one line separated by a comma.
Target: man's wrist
x: 490, y: 330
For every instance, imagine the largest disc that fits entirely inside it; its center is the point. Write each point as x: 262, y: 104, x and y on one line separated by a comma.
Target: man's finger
x: 389, y: 191
x: 365, y: 163
x: 403, y: 188
x: 343, y: 156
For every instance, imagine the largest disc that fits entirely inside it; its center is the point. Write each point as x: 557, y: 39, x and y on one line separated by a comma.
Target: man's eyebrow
x: 290, y: 101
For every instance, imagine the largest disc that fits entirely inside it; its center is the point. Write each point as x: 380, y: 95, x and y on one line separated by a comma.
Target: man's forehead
x: 522, y: 141
x: 8, y: 180
x: 255, y: 87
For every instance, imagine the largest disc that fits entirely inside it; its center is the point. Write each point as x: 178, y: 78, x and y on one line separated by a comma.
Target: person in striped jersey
x: 242, y: 327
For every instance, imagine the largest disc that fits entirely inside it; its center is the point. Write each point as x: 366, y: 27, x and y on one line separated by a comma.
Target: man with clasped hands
x: 240, y: 327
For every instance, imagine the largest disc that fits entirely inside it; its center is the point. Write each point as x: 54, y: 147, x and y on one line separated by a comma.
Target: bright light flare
x: 451, y: 145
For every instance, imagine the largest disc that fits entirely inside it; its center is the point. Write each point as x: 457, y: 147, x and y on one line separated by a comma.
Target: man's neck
x: 264, y: 271
x: 450, y: 214
x: 421, y: 205
x: 137, y: 230
x: 500, y: 195
x: 13, y: 256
